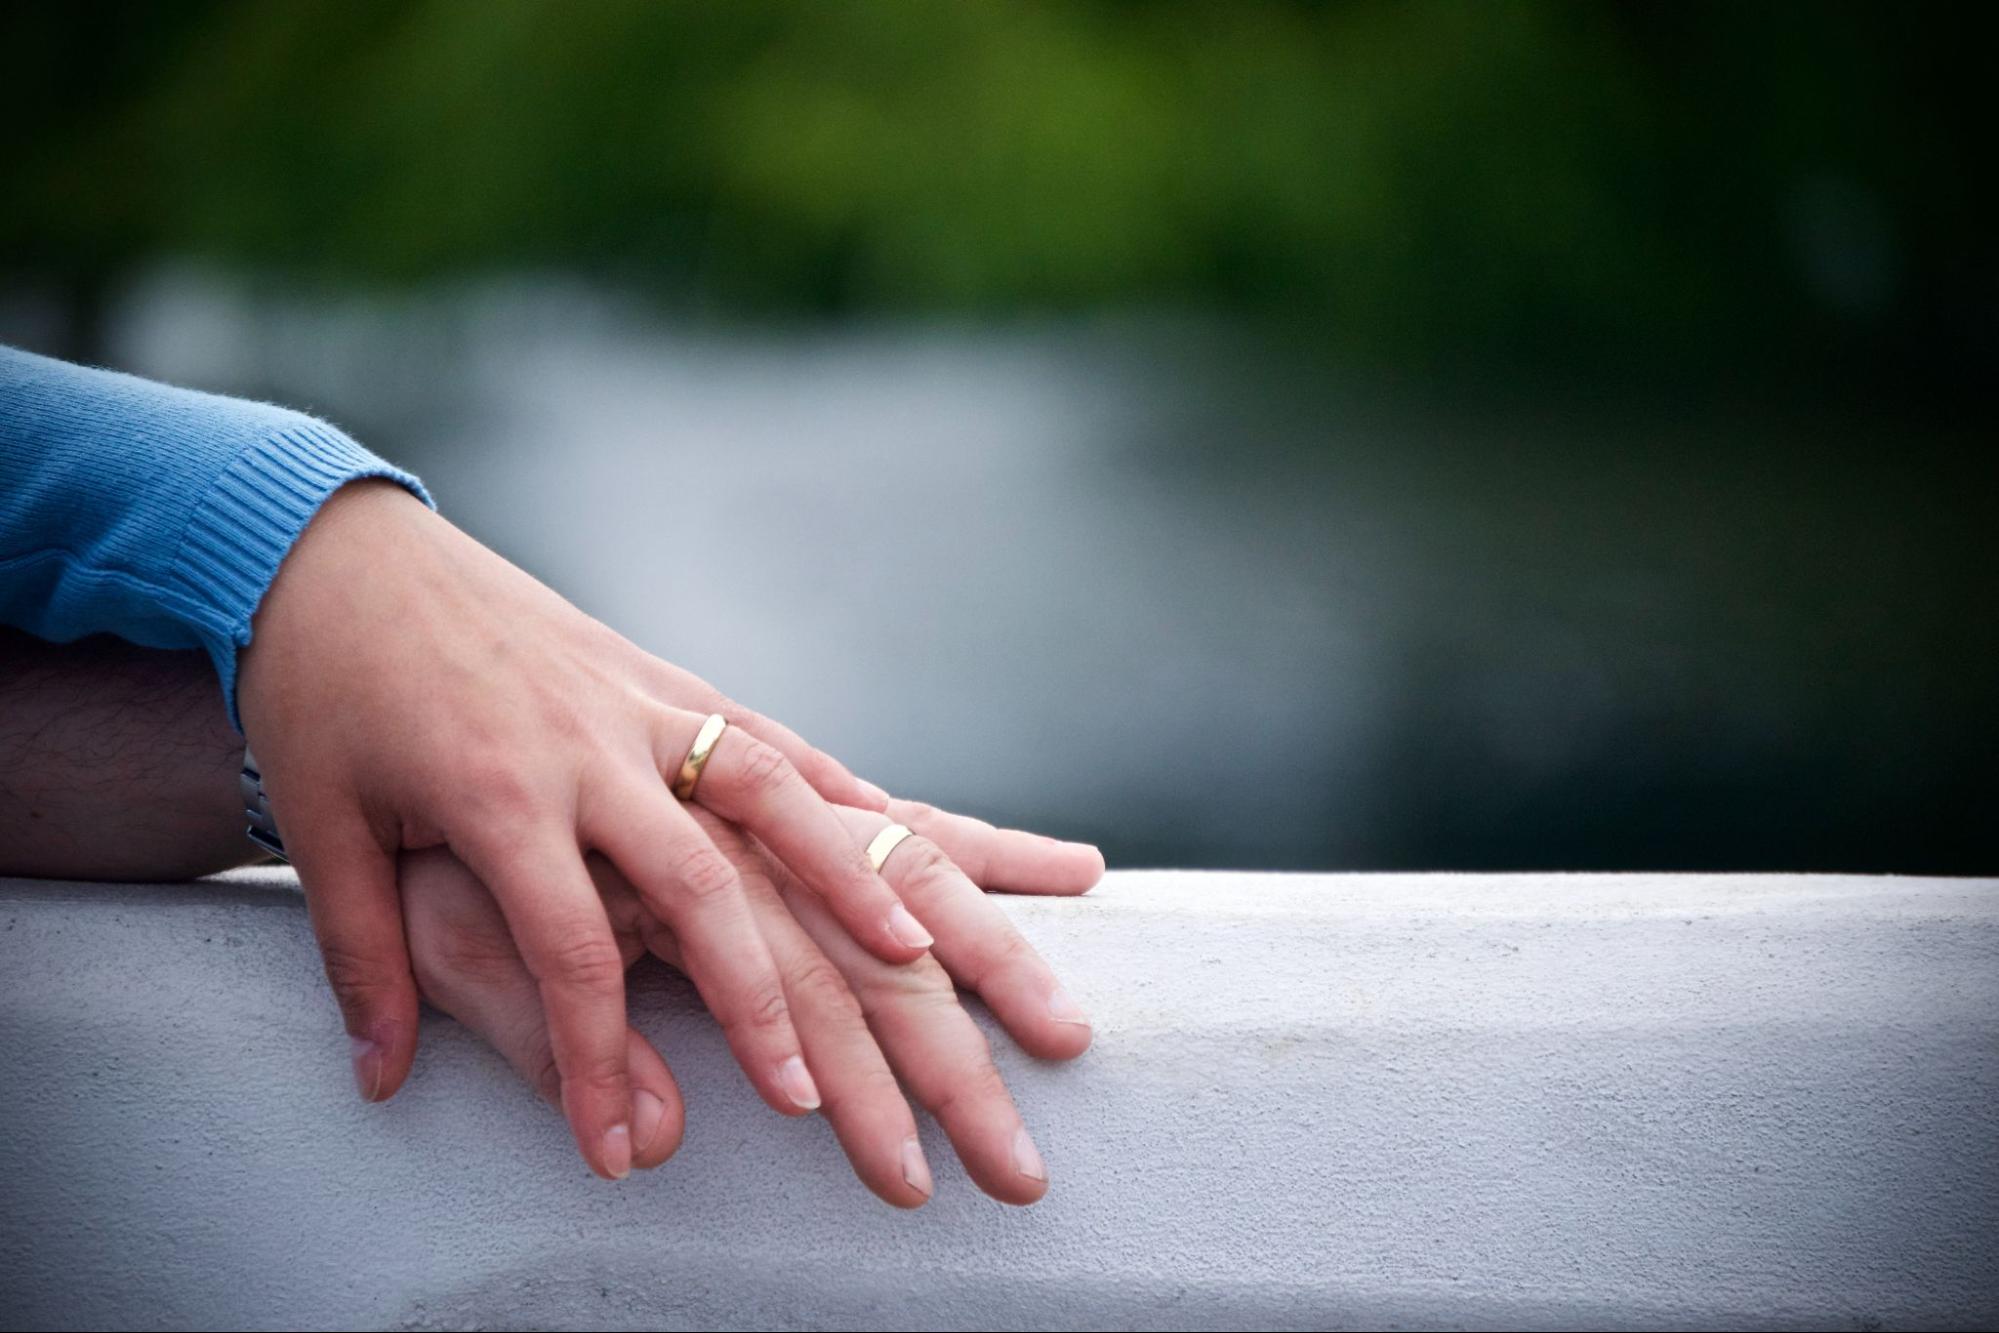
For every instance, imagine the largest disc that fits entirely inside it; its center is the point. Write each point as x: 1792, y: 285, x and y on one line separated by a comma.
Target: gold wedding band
x: 697, y: 758
x: 885, y: 842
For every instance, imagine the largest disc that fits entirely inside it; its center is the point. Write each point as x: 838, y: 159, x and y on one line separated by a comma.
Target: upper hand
x: 407, y: 688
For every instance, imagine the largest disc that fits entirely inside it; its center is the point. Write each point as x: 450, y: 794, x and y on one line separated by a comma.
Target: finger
x: 537, y: 876
x: 753, y: 785
x: 514, y: 1027
x: 1005, y: 860
x: 627, y: 912
x: 350, y: 893
x: 686, y: 882
x: 467, y: 965
x: 821, y: 771
x: 980, y: 947
x: 939, y: 1054
x: 862, y: 1101
x: 827, y: 775
x: 659, y: 1115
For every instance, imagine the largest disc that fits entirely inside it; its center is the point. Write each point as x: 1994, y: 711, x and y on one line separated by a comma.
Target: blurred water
x: 1190, y: 593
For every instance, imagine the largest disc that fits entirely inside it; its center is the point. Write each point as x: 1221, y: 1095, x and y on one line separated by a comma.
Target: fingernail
x: 907, y: 929
x: 796, y: 1080
x: 874, y: 793
x: 367, y: 1056
x: 914, y: 1169
x: 647, y: 1112
x: 1065, y: 1010
x: 1025, y: 1159
x: 1064, y: 845
x: 618, y: 1151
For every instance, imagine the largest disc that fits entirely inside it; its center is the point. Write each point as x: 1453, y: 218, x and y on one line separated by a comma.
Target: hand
x: 407, y: 688
x: 860, y: 1019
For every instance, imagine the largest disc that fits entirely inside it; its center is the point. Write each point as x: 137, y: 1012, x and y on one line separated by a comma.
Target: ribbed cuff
x: 251, y: 516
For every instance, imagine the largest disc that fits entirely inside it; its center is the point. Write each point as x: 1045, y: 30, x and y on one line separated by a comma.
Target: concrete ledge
x: 1314, y: 1101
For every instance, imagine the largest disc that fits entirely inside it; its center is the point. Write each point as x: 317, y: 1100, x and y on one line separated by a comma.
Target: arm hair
x: 116, y: 762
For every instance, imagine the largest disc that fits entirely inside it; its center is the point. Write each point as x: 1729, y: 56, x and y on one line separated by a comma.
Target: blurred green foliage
x: 1688, y: 185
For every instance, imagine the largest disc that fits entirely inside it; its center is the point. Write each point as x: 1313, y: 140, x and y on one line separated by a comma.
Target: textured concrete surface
x: 1314, y: 1101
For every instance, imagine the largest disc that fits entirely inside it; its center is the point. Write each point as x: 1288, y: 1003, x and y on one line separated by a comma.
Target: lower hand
x: 862, y: 1023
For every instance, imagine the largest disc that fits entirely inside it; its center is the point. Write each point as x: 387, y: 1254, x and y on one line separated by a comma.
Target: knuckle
x: 358, y: 979
x: 925, y: 863
x: 596, y: 1074
x: 702, y: 873
x: 763, y: 770
x: 1007, y: 951
x: 1010, y: 946
x: 587, y: 960
x: 874, y: 1081
x: 463, y: 957
x: 559, y: 715
x: 865, y: 1082
x: 820, y: 988
x: 767, y: 1008
x: 497, y: 789
x: 921, y: 986
x: 978, y: 1081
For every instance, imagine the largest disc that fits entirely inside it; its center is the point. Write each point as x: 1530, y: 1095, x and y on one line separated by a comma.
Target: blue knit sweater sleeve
x: 153, y: 513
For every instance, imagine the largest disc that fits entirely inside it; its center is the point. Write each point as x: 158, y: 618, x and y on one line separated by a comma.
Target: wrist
x: 320, y: 583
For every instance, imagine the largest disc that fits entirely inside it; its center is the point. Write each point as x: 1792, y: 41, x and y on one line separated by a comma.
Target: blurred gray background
x: 1343, y: 436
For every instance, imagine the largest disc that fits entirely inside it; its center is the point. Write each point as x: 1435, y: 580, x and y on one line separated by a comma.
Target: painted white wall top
x: 1313, y: 1101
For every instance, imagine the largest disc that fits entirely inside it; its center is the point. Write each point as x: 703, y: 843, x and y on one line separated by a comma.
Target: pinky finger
x: 1005, y: 860
x: 980, y: 947
x: 821, y: 771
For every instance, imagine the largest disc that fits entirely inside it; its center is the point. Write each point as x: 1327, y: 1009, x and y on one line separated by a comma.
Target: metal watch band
x: 263, y: 829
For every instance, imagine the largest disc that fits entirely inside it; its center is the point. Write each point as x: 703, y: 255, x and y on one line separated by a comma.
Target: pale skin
x: 407, y: 688
x: 117, y: 762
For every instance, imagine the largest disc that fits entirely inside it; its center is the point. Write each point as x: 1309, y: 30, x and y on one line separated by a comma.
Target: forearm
x: 154, y: 513
x: 116, y: 762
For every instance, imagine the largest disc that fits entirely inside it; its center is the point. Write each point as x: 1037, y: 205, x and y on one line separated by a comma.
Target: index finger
x: 538, y: 878
x: 828, y: 776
